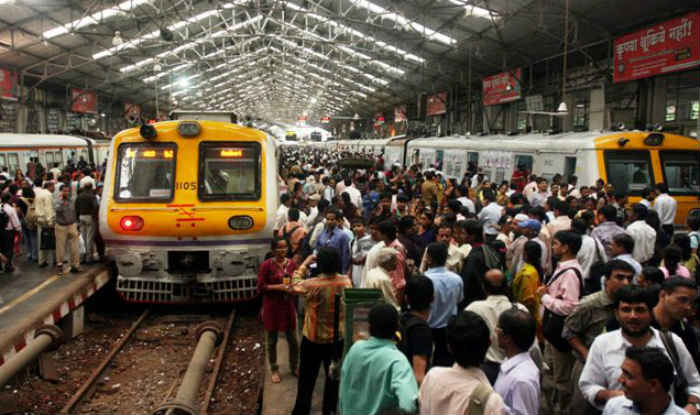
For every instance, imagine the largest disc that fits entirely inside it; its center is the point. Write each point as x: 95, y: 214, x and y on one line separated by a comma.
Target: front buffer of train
x: 188, y: 217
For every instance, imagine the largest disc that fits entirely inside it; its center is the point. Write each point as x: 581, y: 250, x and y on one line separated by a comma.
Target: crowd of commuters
x: 50, y: 215
x: 523, y: 297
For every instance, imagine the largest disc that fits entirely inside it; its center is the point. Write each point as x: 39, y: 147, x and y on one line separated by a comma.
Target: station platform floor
x: 279, y: 398
x: 31, y: 297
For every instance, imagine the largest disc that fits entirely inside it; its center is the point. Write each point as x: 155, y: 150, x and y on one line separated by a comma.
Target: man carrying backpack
x: 9, y: 227
x: 292, y: 232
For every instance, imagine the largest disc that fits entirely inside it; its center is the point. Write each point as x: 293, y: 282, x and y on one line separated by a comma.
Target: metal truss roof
x: 278, y: 59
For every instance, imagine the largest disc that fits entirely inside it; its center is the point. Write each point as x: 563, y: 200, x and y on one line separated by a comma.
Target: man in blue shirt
x: 376, y: 377
x: 448, y: 292
x: 335, y: 238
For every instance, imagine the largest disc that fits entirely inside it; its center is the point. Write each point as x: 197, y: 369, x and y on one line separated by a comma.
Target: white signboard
x: 454, y: 163
x: 498, y: 159
x: 427, y: 157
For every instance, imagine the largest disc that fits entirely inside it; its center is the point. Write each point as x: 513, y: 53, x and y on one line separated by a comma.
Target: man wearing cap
x: 313, y: 208
x: 530, y: 228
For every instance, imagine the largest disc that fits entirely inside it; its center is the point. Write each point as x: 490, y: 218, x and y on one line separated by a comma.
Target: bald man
x: 490, y: 310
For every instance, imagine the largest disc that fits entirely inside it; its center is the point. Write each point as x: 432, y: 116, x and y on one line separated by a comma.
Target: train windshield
x: 681, y: 172
x: 229, y: 171
x: 629, y: 171
x: 146, y: 172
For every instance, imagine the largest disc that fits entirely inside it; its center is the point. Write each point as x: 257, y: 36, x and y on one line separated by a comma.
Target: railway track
x: 139, y: 347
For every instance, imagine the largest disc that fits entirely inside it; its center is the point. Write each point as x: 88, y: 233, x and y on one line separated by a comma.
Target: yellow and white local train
x: 188, y: 210
x: 630, y: 160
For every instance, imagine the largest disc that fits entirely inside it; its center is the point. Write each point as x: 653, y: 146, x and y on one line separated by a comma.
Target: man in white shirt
x: 313, y: 208
x: 462, y: 193
x: 666, y: 207
x: 355, y: 195
x: 282, y: 211
x: 644, y: 235
x: 378, y: 277
x: 531, y: 187
x: 519, y: 378
x: 561, y: 221
x: 599, y: 380
x: 491, y: 213
x: 12, y: 227
x: 45, y: 214
x: 647, y: 197
x: 539, y: 198
x: 622, y: 247
x: 447, y: 390
x: 490, y: 309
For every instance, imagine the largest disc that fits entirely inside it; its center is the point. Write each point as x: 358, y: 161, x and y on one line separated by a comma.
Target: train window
x: 146, y: 172
x: 681, y: 172
x: 526, y: 161
x: 58, y: 158
x: 229, y: 171
x: 49, y: 158
x: 13, y: 161
x: 3, y: 160
x: 629, y: 171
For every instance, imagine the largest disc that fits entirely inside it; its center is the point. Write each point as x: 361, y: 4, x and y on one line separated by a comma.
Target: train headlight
x: 240, y: 223
x: 148, y: 132
x: 654, y: 139
x: 131, y: 223
x: 188, y: 128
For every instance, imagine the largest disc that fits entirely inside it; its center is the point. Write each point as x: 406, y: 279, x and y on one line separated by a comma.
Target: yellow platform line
x: 28, y: 294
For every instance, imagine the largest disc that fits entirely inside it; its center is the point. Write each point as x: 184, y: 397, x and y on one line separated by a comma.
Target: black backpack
x: 287, y: 237
x: 4, y: 218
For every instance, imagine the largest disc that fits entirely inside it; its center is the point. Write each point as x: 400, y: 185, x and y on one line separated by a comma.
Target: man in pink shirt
x: 559, y: 296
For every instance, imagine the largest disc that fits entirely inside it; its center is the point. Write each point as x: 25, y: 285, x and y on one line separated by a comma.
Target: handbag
x: 680, y: 383
x: 553, y: 323
x: 48, y: 239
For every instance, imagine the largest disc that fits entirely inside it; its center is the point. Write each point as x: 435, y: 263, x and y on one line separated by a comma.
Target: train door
x: 569, y: 167
x: 439, y: 156
x: 681, y: 173
x: 472, y: 161
x: 13, y: 162
x: 3, y: 160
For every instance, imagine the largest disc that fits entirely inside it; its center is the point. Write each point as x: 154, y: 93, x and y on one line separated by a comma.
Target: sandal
x: 276, y: 377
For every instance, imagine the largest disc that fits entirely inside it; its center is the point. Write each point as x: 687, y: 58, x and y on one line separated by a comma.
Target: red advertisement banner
x: 8, y: 84
x: 83, y: 101
x: 670, y: 46
x: 378, y: 119
x: 501, y: 88
x: 437, y: 104
x: 400, y: 113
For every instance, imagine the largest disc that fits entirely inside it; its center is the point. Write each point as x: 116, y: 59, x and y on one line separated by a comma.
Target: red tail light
x: 131, y: 223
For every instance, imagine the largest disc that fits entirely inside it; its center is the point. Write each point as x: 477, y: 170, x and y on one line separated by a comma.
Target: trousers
x: 441, y: 355
x: 43, y: 253
x: 272, y: 349
x: 87, y: 230
x: 557, y: 389
x: 312, y: 356
x: 68, y: 233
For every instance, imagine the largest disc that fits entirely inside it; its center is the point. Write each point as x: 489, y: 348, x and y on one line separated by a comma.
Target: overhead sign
x: 400, y: 113
x: 325, y: 120
x: 437, y: 104
x: 666, y: 47
x: 8, y: 84
x: 83, y: 101
x: 501, y: 88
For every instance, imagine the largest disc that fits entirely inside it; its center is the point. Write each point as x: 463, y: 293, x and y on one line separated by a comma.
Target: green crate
x: 358, y: 302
